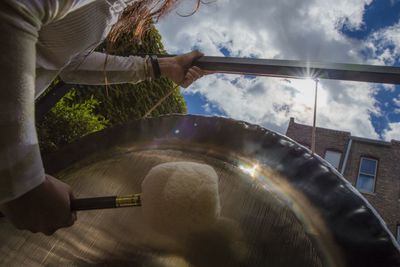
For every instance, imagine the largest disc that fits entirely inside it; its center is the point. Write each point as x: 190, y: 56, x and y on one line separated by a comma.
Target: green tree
x: 121, y: 103
x: 68, y: 121
x: 87, y: 109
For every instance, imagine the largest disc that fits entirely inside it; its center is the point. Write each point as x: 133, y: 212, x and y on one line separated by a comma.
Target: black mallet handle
x: 109, y: 202
x: 106, y: 202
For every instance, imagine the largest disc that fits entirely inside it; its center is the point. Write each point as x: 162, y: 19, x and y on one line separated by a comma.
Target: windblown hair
x: 142, y: 14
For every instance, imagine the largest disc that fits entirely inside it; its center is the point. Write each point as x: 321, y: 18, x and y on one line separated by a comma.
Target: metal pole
x: 297, y: 69
x: 313, y: 134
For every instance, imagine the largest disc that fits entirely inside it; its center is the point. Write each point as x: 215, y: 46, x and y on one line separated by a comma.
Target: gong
x: 281, y: 205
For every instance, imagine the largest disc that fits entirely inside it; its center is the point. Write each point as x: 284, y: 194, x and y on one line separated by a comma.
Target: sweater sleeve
x: 21, y: 167
x: 94, y: 68
x: 39, y: 12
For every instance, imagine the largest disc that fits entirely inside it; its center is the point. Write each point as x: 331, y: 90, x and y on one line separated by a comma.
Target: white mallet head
x: 180, y: 198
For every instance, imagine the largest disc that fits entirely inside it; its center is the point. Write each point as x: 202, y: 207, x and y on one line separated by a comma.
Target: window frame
x: 337, y: 151
x: 366, y: 174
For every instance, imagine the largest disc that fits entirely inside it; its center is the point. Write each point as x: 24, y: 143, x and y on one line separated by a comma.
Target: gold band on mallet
x: 128, y: 201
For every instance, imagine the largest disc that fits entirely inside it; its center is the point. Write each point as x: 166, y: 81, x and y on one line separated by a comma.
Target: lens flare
x: 251, y: 170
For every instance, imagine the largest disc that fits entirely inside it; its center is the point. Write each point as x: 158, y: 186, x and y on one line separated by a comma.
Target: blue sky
x: 198, y: 104
x: 378, y: 15
x: 348, y: 31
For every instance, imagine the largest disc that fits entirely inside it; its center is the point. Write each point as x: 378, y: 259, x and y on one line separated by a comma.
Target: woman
x: 41, y: 39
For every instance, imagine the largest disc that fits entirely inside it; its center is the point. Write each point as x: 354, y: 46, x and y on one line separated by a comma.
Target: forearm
x: 99, y: 68
x: 21, y: 166
x: 21, y: 170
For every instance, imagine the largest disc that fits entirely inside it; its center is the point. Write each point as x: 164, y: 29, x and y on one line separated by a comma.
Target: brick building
x: 372, y: 166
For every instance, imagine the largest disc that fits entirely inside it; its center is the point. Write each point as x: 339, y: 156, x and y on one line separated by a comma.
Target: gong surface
x: 280, y: 205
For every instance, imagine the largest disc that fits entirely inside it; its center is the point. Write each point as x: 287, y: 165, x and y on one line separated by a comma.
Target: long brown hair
x: 142, y: 14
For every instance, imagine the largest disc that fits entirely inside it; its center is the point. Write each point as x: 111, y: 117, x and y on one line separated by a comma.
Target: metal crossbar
x: 301, y: 69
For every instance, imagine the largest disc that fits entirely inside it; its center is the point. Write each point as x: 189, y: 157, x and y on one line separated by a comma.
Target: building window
x: 398, y: 233
x: 367, y: 175
x: 333, y: 157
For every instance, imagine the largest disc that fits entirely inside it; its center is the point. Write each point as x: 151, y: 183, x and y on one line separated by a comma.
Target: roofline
x: 354, y: 138
x: 370, y: 141
x: 322, y: 128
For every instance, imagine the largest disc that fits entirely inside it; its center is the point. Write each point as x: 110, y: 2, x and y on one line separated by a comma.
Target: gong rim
x: 356, y: 227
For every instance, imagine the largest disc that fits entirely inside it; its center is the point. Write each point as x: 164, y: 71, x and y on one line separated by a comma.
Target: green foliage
x: 124, y: 102
x: 131, y: 101
x: 92, y: 108
x: 68, y: 121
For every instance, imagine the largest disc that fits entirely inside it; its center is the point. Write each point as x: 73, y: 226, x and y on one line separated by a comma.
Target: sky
x: 341, y: 31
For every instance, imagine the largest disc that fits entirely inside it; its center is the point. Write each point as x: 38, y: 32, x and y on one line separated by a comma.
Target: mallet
x: 177, y: 199
x: 109, y: 202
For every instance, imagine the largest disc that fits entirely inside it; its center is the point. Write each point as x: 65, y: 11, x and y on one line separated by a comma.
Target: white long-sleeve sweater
x: 46, y: 38
x: 65, y: 46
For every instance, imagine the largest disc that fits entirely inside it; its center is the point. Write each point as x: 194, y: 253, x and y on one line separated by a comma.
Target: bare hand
x: 44, y: 209
x: 180, y: 70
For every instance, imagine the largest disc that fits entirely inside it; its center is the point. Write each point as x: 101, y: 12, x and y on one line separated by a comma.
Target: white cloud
x: 392, y: 132
x: 302, y: 29
x: 396, y: 101
x: 271, y: 102
x: 384, y: 45
x: 207, y: 108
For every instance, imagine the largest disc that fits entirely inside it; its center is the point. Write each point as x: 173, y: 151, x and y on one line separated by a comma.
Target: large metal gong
x: 280, y: 205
